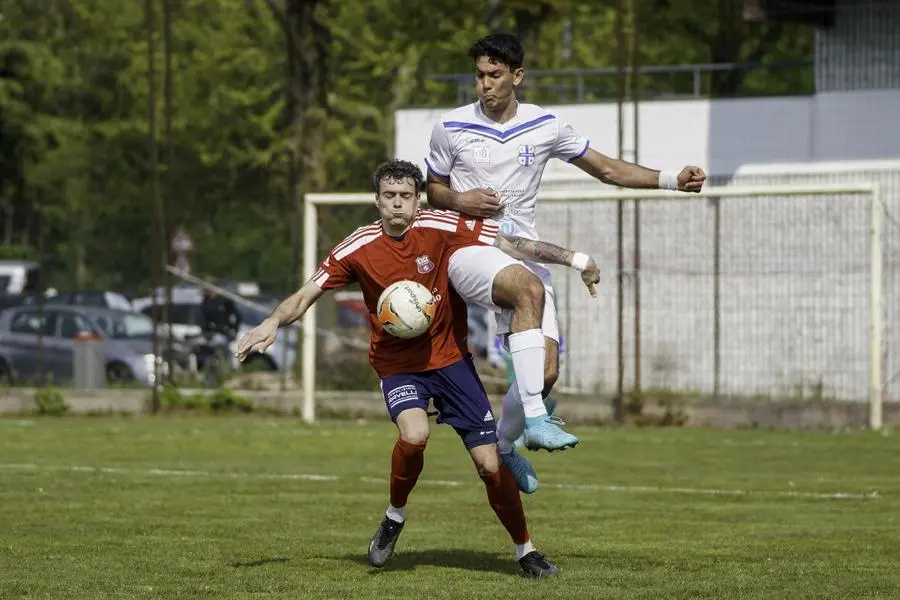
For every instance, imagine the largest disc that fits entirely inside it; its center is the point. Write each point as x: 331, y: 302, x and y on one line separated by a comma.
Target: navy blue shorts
x: 458, y: 396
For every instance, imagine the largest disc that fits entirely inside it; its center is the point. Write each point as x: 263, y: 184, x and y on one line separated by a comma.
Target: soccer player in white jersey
x: 486, y: 159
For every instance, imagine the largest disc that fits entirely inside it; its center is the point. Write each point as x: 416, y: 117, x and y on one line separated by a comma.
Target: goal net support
x: 762, y: 292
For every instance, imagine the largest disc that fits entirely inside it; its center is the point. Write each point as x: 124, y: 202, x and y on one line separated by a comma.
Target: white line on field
x: 633, y: 489
x: 169, y: 472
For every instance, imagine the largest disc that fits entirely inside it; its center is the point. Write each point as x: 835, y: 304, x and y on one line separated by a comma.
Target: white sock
x: 528, y: 352
x: 523, y: 549
x: 512, y: 421
x: 398, y: 515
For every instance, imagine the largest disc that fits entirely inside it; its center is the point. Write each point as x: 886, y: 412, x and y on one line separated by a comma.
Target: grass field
x: 250, y: 507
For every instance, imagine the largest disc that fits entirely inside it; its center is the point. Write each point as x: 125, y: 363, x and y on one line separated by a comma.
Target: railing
x: 657, y: 81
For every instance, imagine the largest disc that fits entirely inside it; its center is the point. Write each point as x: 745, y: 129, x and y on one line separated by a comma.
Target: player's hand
x: 691, y: 179
x: 591, y: 276
x: 478, y: 202
x: 257, y: 339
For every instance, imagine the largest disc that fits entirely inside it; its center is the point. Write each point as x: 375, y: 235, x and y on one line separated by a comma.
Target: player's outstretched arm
x: 291, y: 308
x: 545, y: 252
x: 629, y: 175
x: 480, y: 202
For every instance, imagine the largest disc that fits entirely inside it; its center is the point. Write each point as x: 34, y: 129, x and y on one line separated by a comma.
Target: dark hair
x: 499, y: 47
x: 398, y: 170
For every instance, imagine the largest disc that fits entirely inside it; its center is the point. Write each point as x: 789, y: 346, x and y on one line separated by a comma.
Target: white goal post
x: 874, y: 226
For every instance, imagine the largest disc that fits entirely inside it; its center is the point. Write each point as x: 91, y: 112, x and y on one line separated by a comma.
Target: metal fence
x: 658, y: 81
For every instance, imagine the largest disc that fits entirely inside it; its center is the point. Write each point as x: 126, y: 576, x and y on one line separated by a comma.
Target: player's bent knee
x: 531, y: 294
x: 487, y: 470
x: 415, y: 436
x: 413, y: 426
x: 516, y: 287
x: 486, y: 459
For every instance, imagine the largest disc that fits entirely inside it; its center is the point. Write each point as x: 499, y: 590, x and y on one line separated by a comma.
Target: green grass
x: 633, y: 513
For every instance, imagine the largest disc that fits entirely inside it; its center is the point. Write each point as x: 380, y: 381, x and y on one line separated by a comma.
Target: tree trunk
x: 528, y: 30
x: 307, y: 43
x: 404, y: 86
x: 9, y: 215
x: 29, y: 214
x: 80, y: 265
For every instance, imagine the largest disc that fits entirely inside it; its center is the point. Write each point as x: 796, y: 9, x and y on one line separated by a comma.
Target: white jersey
x: 474, y: 151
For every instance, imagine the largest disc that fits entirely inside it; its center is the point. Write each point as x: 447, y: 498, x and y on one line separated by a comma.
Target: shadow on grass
x: 407, y: 560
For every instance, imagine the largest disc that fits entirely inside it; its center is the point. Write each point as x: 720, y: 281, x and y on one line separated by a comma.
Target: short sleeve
x: 569, y: 144
x: 334, y: 273
x: 440, y: 154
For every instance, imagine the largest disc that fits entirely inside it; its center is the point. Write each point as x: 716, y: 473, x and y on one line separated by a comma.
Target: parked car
x: 96, y: 298
x: 187, y: 324
x: 11, y: 300
x: 127, y: 338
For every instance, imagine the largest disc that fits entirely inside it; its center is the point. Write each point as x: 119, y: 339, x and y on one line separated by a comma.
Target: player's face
x: 495, y: 84
x: 398, y: 202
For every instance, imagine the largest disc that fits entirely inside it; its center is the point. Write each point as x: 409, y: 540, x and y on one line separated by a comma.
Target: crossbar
x: 876, y: 226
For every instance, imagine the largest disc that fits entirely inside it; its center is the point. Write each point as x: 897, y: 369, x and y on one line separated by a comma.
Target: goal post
x: 588, y: 212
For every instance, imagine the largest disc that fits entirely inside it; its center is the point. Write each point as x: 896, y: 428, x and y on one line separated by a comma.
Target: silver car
x: 187, y: 322
x: 126, y: 337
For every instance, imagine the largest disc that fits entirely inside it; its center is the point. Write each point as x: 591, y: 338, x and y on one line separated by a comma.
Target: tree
x: 51, y: 114
x: 273, y: 99
x: 716, y: 32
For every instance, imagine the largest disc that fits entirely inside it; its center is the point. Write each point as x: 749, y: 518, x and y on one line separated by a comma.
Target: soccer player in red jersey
x: 413, y: 244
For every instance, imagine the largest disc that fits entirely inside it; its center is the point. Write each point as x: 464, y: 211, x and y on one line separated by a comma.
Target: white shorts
x: 472, y: 271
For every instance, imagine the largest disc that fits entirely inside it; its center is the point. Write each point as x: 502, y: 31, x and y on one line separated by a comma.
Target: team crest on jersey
x: 526, y: 155
x: 470, y: 224
x: 424, y: 264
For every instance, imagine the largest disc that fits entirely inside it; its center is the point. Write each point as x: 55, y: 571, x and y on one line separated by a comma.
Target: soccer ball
x: 406, y: 309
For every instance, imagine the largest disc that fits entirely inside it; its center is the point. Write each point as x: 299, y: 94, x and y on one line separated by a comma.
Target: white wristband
x: 580, y: 261
x: 668, y: 180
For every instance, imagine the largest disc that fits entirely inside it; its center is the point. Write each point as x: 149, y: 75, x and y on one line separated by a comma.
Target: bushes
x: 347, y: 370
x: 220, y: 400
x: 50, y: 401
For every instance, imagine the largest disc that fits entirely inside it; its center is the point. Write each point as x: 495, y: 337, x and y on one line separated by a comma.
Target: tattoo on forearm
x: 539, y: 251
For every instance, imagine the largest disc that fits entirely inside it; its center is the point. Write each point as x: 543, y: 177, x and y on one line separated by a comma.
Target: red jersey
x: 376, y: 260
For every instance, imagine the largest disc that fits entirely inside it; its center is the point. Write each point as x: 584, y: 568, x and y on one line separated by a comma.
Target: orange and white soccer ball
x: 406, y: 309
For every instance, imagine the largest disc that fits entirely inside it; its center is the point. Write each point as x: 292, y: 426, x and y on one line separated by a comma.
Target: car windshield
x: 127, y: 326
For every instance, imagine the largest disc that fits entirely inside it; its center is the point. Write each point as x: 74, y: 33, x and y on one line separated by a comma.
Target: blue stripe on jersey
x: 435, y: 171
x: 500, y: 136
x: 587, y: 144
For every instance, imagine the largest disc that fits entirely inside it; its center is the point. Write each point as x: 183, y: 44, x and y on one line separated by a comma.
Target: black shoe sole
x: 543, y: 574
